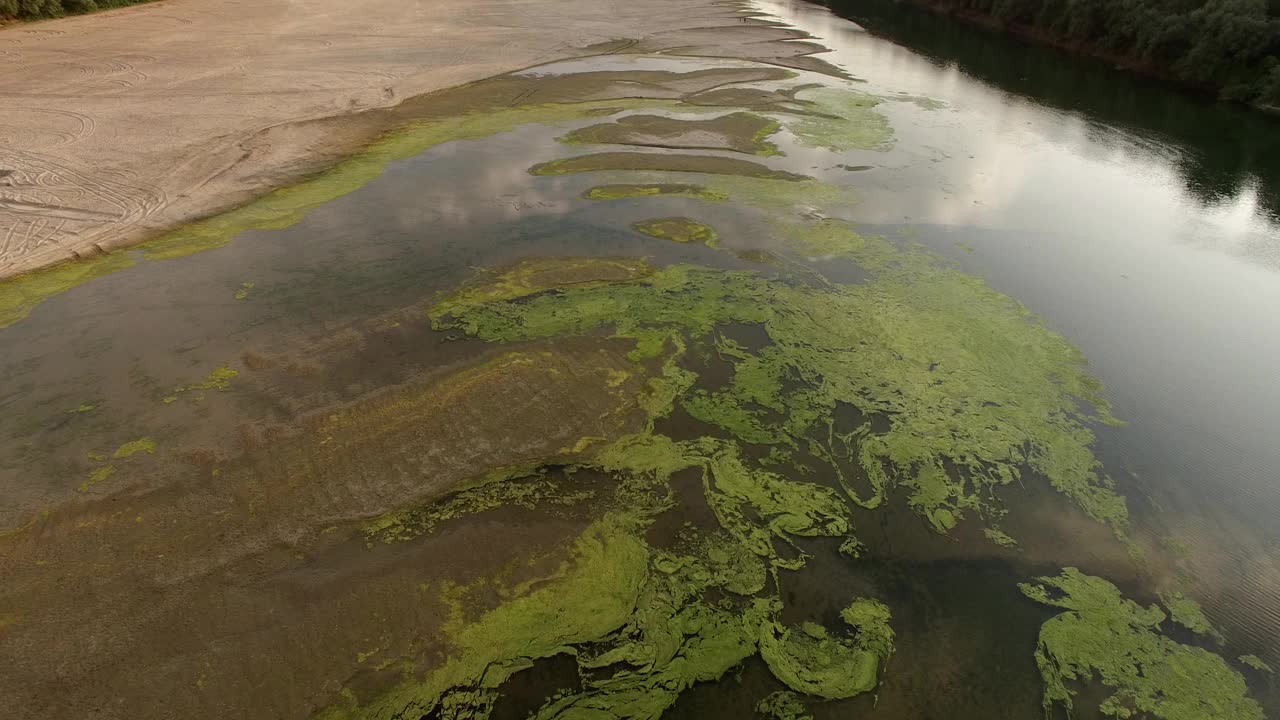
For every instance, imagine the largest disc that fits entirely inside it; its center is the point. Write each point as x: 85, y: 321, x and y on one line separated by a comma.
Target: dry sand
x: 116, y: 125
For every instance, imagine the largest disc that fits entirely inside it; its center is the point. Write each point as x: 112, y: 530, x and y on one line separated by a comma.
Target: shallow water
x: 1102, y: 225
x: 1142, y: 223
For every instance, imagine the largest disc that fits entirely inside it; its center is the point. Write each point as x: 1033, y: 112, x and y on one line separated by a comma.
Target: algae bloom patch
x: 923, y: 346
x: 623, y: 191
x: 1105, y: 635
x: 739, y: 132
x: 665, y: 162
x: 678, y: 229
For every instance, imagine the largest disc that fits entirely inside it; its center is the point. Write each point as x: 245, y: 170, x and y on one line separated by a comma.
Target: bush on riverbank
x: 37, y: 9
x: 1232, y: 46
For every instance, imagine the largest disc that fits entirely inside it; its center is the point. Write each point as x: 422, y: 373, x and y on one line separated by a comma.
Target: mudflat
x: 116, y: 125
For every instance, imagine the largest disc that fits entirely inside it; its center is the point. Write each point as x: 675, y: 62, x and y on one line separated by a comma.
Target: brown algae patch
x: 96, y: 476
x: 624, y: 191
x: 1103, y: 635
x: 133, y: 447
x: 217, y: 379
x: 679, y: 229
x: 663, y: 162
x: 738, y: 132
x: 124, y: 452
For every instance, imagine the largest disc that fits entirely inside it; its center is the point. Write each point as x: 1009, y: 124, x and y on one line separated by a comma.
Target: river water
x: 1140, y: 224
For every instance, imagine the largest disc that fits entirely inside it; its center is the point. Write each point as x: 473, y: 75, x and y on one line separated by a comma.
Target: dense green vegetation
x: 1230, y: 46
x: 36, y: 9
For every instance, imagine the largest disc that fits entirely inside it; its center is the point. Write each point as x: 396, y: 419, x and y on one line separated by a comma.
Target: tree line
x: 37, y: 9
x: 1229, y: 46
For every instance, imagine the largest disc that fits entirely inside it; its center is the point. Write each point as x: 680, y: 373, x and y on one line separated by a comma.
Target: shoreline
x: 1120, y: 62
x: 110, y: 149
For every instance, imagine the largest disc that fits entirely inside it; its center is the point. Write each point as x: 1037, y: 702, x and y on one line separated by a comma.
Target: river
x: 242, y: 426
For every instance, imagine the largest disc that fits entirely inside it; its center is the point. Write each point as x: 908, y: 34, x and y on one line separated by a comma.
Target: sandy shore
x: 116, y: 125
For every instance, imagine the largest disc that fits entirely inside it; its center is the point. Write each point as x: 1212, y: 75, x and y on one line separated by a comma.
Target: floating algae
x: 673, y: 640
x: 665, y: 162
x: 678, y: 229
x: 923, y: 345
x: 286, y: 206
x: 637, y: 621
x: 783, y: 196
x: 999, y: 537
x: 133, y: 447
x: 124, y: 452
x: 493, y: 490
x: 1104, y: 634
x: 623, y: 191
x: 841, y: 120
x: 244, y: 290
x: 871, y: 619
x: 594, y: 595
x: 654, y: 633
x: 96, y: 476
x: 811, y: 660
x: 739, y: 132
x: 1188, y: 613
x: 1256, y: 663
x: 20, y: 294
x: 534, y: 275
x: 783, y: 705
x: 470, y: 112
x: 217, y: 379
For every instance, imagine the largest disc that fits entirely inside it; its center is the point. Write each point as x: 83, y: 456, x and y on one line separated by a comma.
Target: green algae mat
x: 623, y: 477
